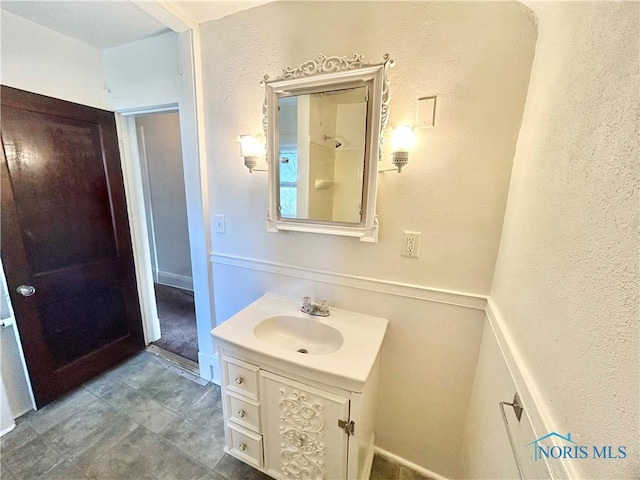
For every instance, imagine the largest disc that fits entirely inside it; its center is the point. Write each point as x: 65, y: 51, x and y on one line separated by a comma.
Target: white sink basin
x: 300, y: 334
x: 342, y: 348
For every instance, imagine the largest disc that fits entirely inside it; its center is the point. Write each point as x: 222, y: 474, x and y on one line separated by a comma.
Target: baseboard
x: 215, y: 369
x: 410, y: 465
x: 24, y: 411
x: 462, y: 299
x: 209, y: 368
x: 7, y: 430
x: 368, y: 462
x: 175, y: 280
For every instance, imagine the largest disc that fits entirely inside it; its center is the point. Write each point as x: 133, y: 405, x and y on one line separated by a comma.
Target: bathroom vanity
x: 299, y: 391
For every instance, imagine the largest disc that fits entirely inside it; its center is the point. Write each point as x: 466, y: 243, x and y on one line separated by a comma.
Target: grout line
x: 179, y: 450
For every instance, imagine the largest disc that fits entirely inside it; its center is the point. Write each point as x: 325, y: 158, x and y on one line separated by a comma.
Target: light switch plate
x: 426, y: 112
x: 219, y: 220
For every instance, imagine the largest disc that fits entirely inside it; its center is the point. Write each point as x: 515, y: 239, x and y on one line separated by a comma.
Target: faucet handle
x: 306, y: 301
x: 324, y: 305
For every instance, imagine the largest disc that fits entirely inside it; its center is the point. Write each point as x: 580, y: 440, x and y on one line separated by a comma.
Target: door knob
x: 26, y: 290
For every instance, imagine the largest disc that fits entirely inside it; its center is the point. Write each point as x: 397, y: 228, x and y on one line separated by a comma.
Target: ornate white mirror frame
x: 324, y: 74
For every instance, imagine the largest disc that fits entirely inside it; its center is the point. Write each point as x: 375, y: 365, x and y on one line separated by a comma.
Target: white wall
x: 143, y: 73
x: 162, y: 155
x: 566, y: 280
x: 42, y: 61
x: 477, y: 58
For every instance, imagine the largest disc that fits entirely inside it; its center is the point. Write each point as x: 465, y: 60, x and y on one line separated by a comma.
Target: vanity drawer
x: 245, y: 445
x: 241, y: 377
x: 243, y: 412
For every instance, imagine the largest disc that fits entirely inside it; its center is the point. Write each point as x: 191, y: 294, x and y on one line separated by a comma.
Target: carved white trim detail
x: 301, y: 428
x: 323, y: 64
x: 386, y: 97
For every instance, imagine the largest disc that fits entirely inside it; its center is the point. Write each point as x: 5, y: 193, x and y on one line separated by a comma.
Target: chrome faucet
x: 317, y: 309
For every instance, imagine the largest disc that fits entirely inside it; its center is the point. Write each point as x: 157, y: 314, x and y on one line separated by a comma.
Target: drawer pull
x: 239, y: 380
x: 241, y: 413
x: 242, y: 447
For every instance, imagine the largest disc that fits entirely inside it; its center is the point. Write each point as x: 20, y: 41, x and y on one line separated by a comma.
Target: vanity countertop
x: 347, y: 368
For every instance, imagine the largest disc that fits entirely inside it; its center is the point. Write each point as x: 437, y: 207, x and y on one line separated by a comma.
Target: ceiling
x: 205, y: 11
x: 104, y: 24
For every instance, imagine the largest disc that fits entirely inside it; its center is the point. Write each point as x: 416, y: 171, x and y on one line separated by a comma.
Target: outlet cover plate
x: 411, y: 244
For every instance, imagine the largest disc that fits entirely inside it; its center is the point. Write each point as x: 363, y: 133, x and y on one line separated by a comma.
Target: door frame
x: 140, y: 140
x: 133, y: 177
x: 192, y: 132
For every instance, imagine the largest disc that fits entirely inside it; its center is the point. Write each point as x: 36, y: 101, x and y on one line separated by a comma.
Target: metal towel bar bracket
x: 517, y: 409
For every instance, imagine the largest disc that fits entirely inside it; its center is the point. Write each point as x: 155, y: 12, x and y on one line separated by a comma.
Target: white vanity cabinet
x: 299, y: 391
x: 301, y: 425
x: 241, y: 407
x: 294, y: 428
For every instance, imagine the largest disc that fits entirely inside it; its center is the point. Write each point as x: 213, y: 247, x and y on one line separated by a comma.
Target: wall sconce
x: 250, y: 148
x: 403, y: 139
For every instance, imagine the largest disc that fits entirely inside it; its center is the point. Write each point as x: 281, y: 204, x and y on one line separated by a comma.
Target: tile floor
x: 141, y: 420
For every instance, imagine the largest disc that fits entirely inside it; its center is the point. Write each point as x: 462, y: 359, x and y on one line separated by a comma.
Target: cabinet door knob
x: 241, y: 413
x: 242, y: 447
x: 239, y: 380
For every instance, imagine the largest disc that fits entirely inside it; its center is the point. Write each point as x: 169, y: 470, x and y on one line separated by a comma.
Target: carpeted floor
x: 177, y: 321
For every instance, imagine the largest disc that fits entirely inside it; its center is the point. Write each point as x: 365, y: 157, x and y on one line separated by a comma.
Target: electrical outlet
x: 411, y: 244
x: 219, y: 220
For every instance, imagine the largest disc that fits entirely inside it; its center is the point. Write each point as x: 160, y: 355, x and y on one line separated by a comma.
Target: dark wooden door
x: 65, y: 232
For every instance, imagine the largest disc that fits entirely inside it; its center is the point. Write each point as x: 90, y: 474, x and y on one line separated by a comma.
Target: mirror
x: 321, y: 152
x: 323, y: 122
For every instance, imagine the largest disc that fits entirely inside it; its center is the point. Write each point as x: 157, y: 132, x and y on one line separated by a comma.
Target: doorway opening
x: 159, y: 150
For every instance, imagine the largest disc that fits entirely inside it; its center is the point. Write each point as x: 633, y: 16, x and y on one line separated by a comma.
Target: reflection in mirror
x: 324, y: 121
x: 322, y: 140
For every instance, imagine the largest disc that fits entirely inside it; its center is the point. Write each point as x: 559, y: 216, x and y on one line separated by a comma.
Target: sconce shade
x: 400, y: 159
x: 250, y: 148
x: 403, y: 139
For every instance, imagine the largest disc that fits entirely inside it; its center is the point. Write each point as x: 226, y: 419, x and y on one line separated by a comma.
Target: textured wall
x: 475, y: 56
x: 42, y: 61
x: 566, y: 281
